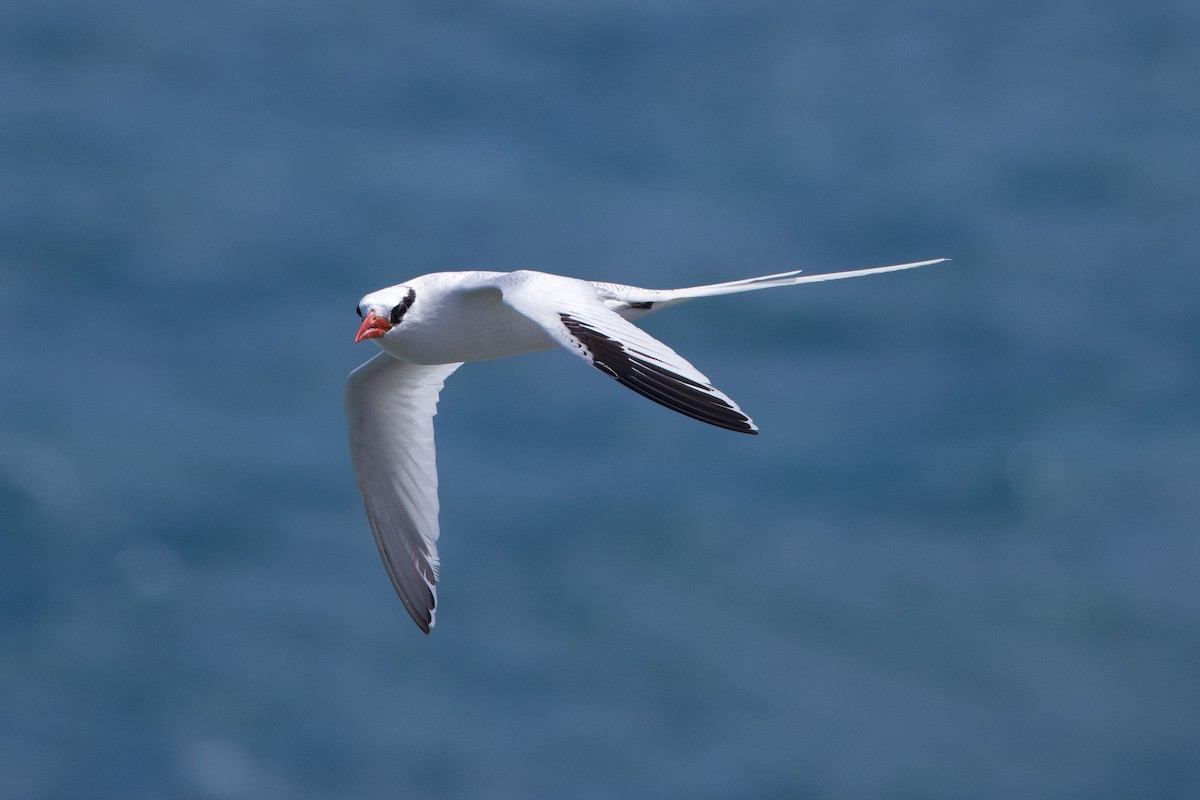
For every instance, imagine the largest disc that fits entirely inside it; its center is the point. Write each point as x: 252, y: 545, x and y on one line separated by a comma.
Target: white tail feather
x: 620, y: 296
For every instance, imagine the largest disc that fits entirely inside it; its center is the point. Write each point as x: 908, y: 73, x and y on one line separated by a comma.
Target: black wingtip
x: 655, y: 382
x: 422, y: 616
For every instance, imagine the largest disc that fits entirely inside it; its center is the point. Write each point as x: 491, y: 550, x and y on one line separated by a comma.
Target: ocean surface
x: 962, y: 560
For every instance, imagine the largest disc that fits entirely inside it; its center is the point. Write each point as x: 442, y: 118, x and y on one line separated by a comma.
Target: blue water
x: 960, y: 561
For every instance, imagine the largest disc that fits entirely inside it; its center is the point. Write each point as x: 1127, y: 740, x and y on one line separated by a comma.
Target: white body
x: 428, y: 326
x: 461, y: 316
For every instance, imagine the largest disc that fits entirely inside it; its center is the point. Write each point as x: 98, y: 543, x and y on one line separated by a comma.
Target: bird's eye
x: 399, y: 309
x: 358, y: 310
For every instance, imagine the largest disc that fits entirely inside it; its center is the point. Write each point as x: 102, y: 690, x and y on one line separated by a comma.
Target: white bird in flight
x: 429, y: 326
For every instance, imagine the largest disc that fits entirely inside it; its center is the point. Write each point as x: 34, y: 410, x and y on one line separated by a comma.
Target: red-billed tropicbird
x: 428, y: 326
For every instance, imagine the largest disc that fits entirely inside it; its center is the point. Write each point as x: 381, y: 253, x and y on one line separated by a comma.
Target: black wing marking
x: 655, y: 382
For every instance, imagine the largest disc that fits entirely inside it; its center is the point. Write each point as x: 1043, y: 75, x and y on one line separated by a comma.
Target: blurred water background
x: 960, y: 561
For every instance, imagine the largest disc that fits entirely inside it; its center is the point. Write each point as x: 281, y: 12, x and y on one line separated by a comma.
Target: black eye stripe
x: 358, y: 310
x: 404, y: 305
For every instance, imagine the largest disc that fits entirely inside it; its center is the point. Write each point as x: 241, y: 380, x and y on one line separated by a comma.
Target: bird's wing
x: 390, y: 406
x: 574, y: 315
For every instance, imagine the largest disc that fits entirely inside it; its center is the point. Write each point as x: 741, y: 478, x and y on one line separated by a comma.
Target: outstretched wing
x: 389, y: 407
x: 574, y: 315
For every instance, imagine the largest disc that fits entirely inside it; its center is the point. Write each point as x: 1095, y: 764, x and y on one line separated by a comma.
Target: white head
x: 382, y: 310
